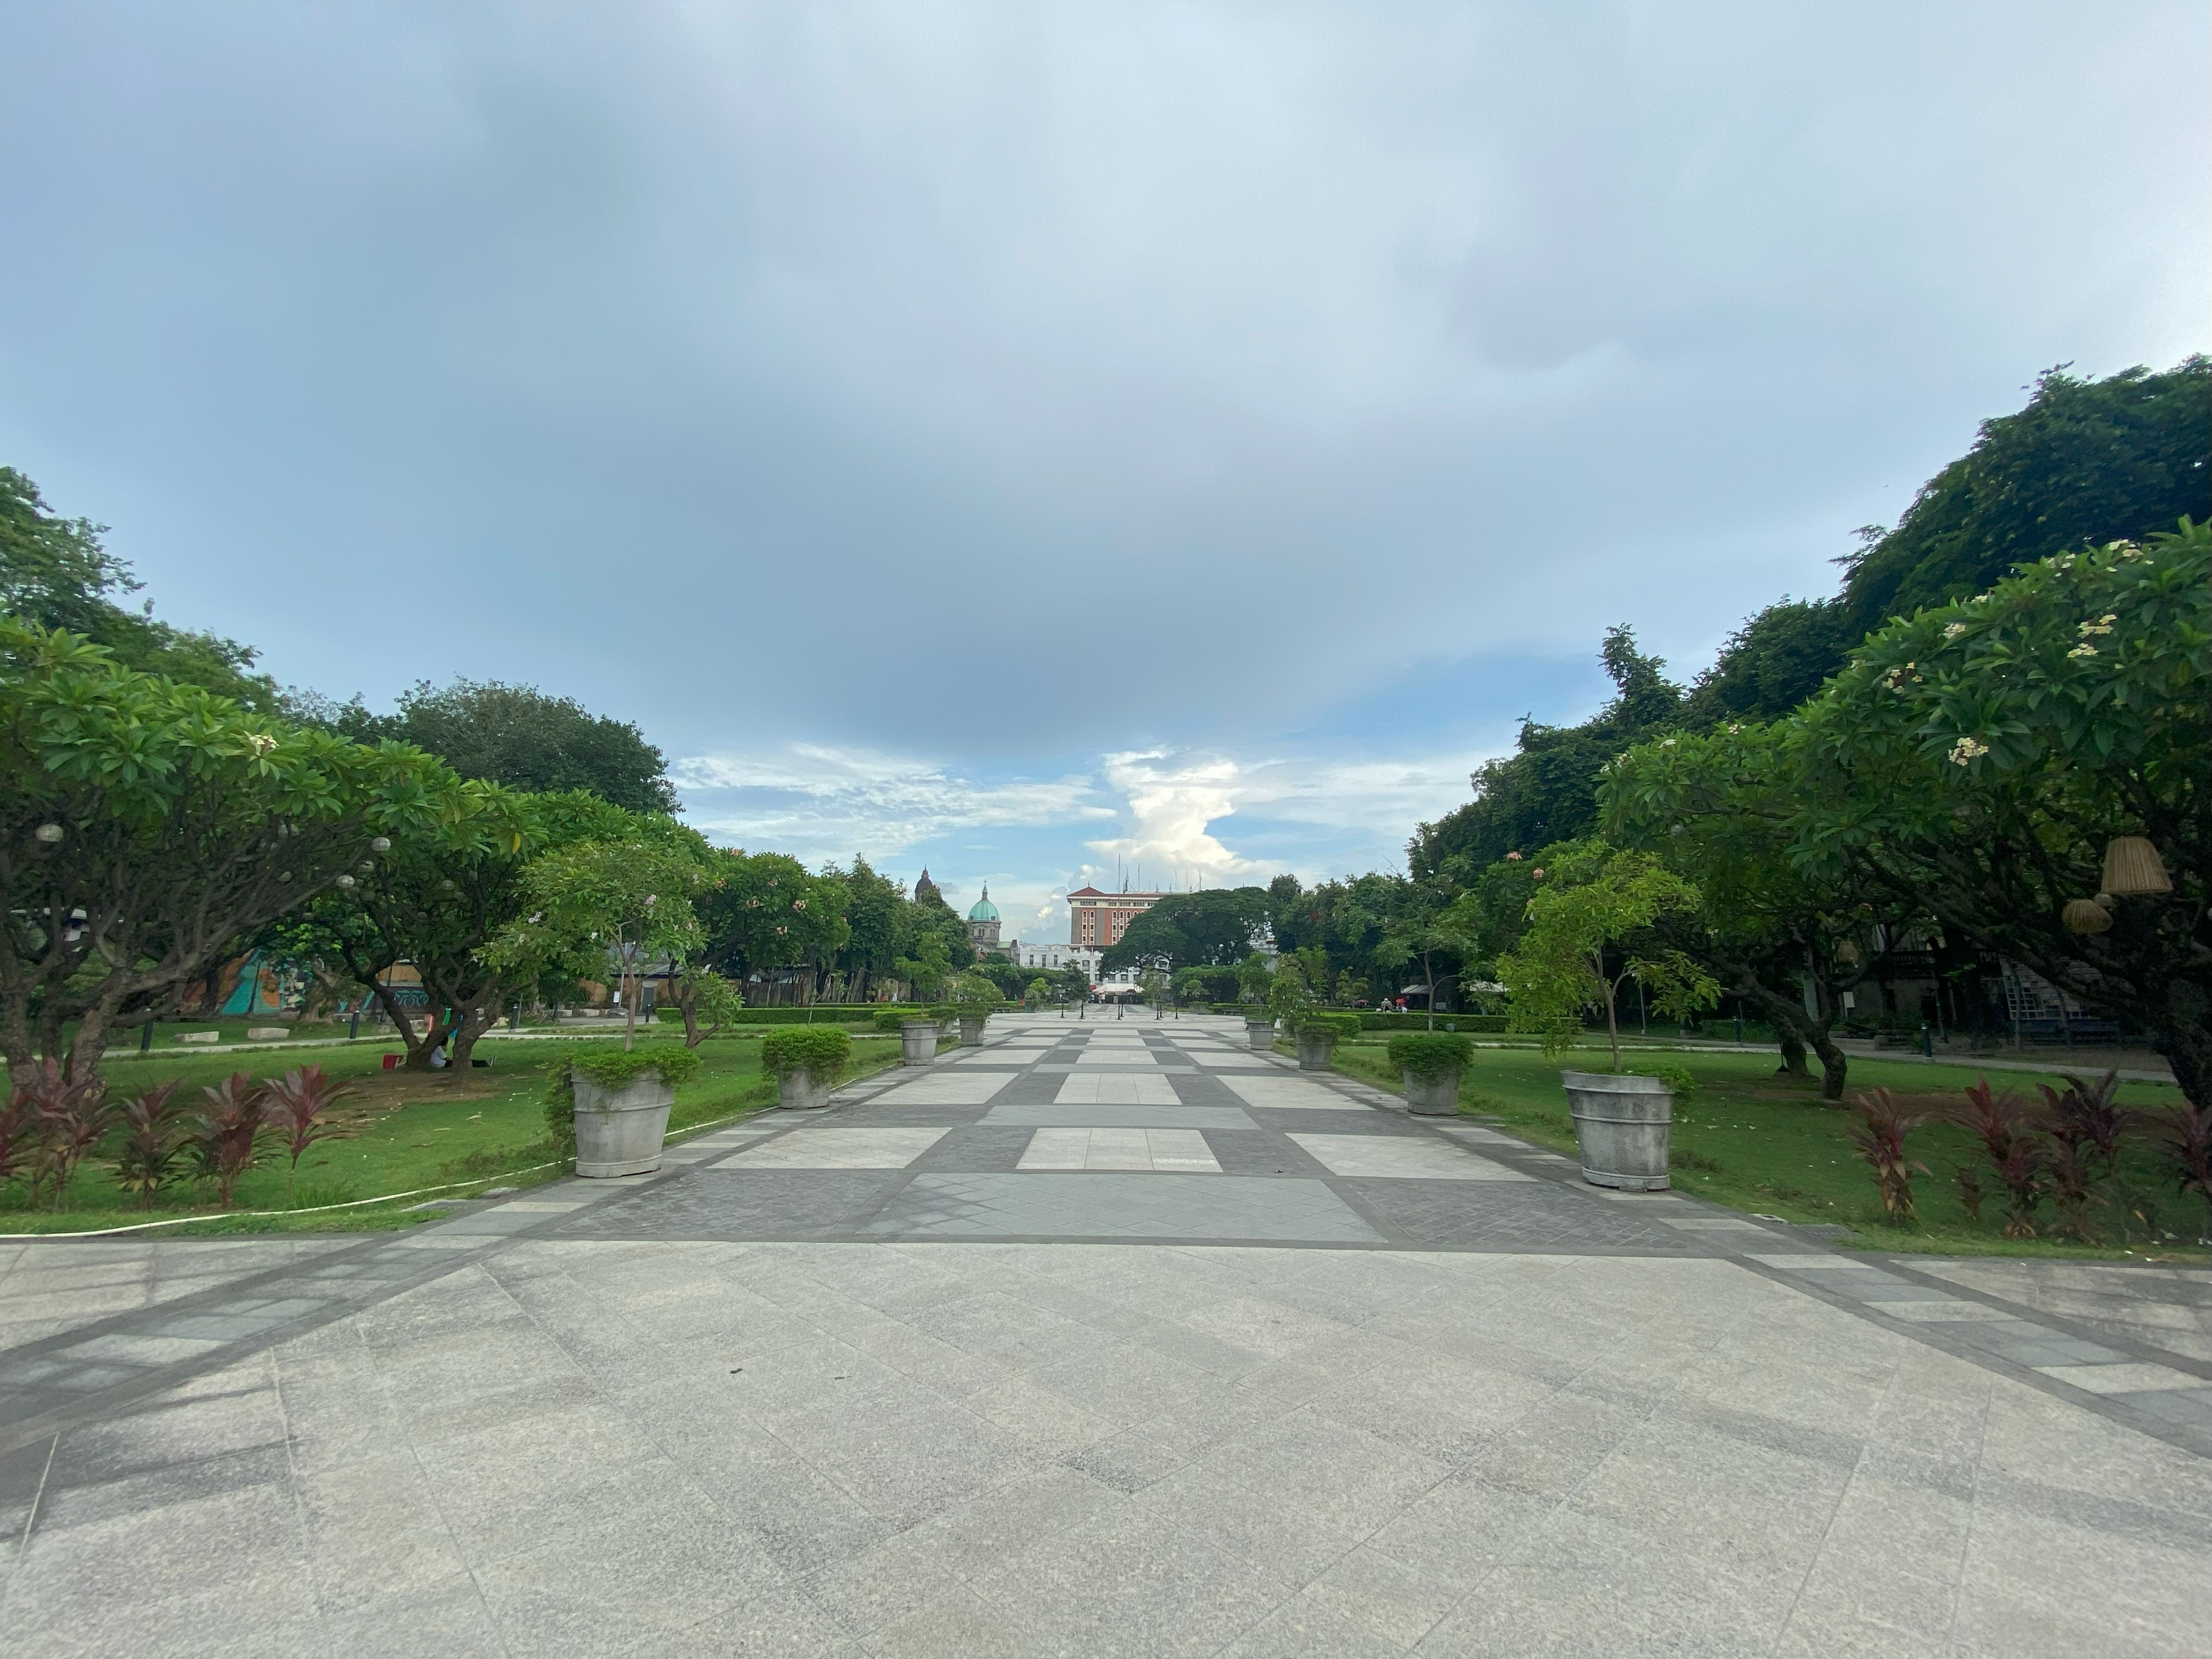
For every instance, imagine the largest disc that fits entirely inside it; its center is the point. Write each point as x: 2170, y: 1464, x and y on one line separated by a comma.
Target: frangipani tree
x: 438, y: 902
x: 1591, y: 904
x: 1718, y: 809
x: 1977, y: 761
x: 631, y: 900
x: 148, y: 828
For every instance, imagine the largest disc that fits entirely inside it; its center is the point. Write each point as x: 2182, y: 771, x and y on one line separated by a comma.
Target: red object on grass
x: 392, y: 1062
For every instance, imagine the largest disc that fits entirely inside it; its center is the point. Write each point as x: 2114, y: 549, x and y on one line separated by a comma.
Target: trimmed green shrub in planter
x: 888, y: 1020
x: 607, y: 1107
x: 808, y: 1062
x: 1318, y: 1035
x: 976, y: 1000
x: 1430, y: 1063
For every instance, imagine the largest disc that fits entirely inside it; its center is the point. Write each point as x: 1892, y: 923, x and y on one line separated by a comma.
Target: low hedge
x: 1246, y: 1010
x: 833, y: 1013
x: 1430, y: 1055
x: 1490, y: 1024
x: 610, y: 1068
x: 820, y: 1051
x: 888, y: 1020
x: 1338, y: 1025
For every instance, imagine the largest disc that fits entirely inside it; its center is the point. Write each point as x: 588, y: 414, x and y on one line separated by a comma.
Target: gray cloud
x: 985, y: 382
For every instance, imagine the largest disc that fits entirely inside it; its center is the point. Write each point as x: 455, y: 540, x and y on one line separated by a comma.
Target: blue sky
x: 804, y: 382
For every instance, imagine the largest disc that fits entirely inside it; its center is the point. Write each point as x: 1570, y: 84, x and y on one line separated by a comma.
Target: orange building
x: 1096, y: 921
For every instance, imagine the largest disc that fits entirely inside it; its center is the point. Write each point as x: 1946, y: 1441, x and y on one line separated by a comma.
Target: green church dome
x: 984, y: 910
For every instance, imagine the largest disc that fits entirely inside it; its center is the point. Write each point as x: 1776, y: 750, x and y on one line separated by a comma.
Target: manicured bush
x: 820, y: 1051
x: 610, y: 1068
x: 1679, y: 1084
x: 820, y: 1013
x: 1340, y: 1025
x: 1430, y: 1055
x: 1486, y: 1023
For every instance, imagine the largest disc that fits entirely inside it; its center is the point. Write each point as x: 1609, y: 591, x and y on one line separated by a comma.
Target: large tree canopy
x: 147, y: 826
x: 57, y: 573
x: 1211, y: 929
x: 514, y: 735
x: 1977, y: 760
x: 1545, y: 791
x: 437, y: 901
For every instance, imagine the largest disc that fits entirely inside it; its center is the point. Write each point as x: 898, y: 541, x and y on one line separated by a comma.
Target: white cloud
x: 818, y: 802
x: 1177, y: 806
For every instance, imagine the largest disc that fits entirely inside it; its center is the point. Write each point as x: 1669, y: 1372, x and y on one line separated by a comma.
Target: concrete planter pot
x: 1314, y: 1048
x: 918, y: 1042
x: 1261, y: 1032
x: 1623, y: 1126
x: 971, y: 1031
x: 619, y: 1131
x: 802, y: 1091
x: 1432, y: 1096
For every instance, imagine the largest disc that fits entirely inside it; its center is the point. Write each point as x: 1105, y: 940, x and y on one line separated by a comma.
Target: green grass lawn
x: 416, y: 1130
x: 1768, y: 1145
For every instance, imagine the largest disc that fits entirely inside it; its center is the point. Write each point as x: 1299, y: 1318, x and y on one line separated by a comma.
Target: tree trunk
x: 474, y: 1023
x: 1612, y: 1027
x: 418, y: 1051
x: 1793, y: 1056
x: 87, y: 1047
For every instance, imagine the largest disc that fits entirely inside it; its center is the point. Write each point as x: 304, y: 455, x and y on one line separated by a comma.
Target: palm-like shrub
x: 296, y: 1103
x: 1879, y: 1138
x: 227, y: 1131
x: 2006, y: 1128
x: 154, y: 1142
x: 64, y: 1119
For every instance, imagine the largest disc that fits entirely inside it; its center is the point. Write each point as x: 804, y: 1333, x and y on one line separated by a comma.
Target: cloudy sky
x: 1038, y: 440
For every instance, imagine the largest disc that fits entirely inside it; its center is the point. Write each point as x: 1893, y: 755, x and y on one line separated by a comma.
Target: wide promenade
x: 1108, y: 1338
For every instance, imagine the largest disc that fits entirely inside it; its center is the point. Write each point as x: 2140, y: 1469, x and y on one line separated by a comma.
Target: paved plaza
x: 1108, y: 1338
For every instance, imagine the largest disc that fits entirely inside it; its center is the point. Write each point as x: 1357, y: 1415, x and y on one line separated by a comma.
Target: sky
x: 1173, y: 443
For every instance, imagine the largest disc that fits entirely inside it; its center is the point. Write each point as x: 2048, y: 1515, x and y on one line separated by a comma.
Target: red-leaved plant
x: 1879, y: 1136
x: 297, y: 1102
x: 2005, y: 1126
x: 2083, y: 1125
x: 154, y: 1142
x: 227, y: 1141
x: 20, y: 1137
x: 2186, y: 1134
x: 68, y: 1120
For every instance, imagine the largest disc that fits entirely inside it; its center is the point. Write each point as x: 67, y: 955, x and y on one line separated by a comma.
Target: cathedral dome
x: 984, y: 910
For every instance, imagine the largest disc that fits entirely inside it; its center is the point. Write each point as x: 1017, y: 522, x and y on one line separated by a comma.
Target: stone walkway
x: 1109, y: 1338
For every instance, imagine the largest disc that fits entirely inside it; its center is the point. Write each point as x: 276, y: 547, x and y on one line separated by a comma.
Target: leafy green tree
x: 1036, y: 993
x: 1425, y: 929
x: 705, y: 1000
x: 1590, y: 907
x: 1775, y: 661
x: 929, y: 968
x: 1792, y: 941
x: 1253, y: 977
x: 2086, y: 463
x: 56, y: 573
x: 436, y: 902
x: 1976, y: 762
x: 873, y: 909
x: 1547, y: 790
x: 1213, y: 927
x: 516, y: 735
x: 148, y: 826
x: 629, y: 900
x: 767, y: 911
